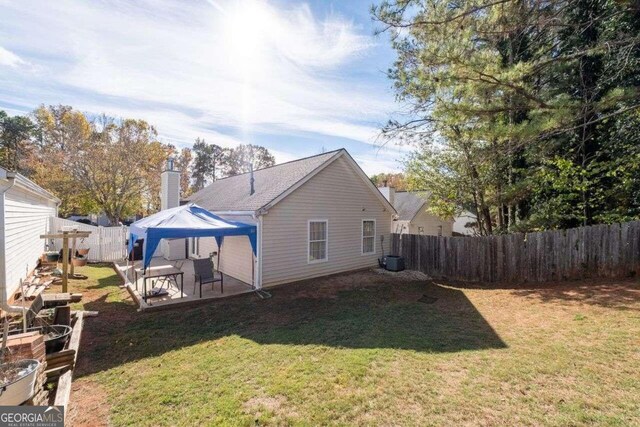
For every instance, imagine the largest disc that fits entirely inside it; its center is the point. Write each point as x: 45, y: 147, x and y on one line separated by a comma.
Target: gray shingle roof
x: 408, y: 204
x: 232, y: 193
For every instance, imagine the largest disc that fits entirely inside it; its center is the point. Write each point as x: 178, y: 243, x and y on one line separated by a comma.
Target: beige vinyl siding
x: 336, y: 194
x: 430, y: 223
x: 236, y: 256
x: 26, y: 217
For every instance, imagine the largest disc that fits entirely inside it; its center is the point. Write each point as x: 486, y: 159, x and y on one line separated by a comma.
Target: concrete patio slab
x: 190, y: 292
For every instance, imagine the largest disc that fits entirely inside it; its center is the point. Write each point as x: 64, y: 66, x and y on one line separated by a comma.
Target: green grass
x: 361, y: 349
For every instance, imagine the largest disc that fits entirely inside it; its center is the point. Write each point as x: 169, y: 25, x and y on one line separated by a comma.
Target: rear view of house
x: 315, y: 216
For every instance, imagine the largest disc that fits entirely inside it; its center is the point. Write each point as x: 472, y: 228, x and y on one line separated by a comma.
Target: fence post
x: 123, y: 241
x: 99, y: 243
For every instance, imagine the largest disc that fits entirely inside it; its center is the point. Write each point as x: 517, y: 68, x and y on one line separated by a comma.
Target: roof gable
x: 408, y: 204
x: 271, y: 184
x: 232, y: 193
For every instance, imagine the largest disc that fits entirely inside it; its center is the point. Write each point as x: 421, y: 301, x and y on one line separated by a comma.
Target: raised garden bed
x: 55, y: 336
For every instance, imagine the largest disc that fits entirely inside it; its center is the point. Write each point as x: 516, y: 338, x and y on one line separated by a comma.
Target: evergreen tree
x: 512, y: 104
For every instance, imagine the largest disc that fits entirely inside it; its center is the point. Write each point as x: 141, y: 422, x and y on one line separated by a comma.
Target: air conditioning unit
x: 392, y: 263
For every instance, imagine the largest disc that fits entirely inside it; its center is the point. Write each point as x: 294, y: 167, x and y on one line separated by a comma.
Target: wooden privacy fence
x: 594, y: 251
x: 105, y: 243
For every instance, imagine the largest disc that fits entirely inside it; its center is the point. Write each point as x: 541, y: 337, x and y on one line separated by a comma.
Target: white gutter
x: 4, y: 298
x: 28, y: 185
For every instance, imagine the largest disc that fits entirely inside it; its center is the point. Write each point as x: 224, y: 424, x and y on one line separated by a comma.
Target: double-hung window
x: 368, y: 236
x: 318, y: 240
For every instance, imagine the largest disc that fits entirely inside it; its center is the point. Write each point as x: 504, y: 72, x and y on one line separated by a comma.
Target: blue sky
x: 296, y: 77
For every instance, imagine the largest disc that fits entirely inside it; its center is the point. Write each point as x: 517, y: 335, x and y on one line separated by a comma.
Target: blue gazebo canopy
x: 182, y: 222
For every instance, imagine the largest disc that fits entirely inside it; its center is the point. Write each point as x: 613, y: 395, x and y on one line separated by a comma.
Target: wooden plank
x: 581, y: 252
x: 516, y: 244
x: 59, y: 297
x: 556, y: 254
x: 499, y: 253
x: 79, y: 234
x: 56, y: 371
x: 30, y: 291
x: 633, y: 248
x: 73, y: 254
x: 507, y: 248
x: 615, y: 251
x: 548, y: 258
x: 424, y: 256
x: 65, y: 264
x: 529, y: 260
x: 63, y: 391
x: 625, y: 241
x: 68, y: 353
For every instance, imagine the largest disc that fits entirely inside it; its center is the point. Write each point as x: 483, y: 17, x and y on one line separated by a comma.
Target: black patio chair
x: 206, y: 274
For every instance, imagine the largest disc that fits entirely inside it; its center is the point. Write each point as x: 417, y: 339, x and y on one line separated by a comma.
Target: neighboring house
x: 465, y: 224
x: 25, y: 209
x: 413, y: 217
x: 98, y: 219
x: 315, y: 216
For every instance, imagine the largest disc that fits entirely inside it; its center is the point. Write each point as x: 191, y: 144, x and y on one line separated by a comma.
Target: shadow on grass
x: 104, y: 283
x: 361, y: 310
x: 616, y: 295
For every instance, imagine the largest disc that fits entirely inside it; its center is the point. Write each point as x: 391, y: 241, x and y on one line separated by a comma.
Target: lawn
x: 364, y: 348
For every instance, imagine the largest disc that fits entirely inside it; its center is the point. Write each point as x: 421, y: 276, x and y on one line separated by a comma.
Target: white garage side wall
x: 336, y: 194
x: 236, y: 256
x: 430, y: 224
x: 26, y: 217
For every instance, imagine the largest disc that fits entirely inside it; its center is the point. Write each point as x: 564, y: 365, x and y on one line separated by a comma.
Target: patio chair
x: 205, y: 274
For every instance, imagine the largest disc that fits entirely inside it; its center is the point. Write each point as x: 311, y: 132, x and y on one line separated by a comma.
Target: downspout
x: 260, y: 224
x: 4, y: 298
x: 258, y: 277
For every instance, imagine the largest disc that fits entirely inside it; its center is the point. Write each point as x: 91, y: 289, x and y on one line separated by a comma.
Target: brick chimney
x: 388, y: 192
x: 170, y: 187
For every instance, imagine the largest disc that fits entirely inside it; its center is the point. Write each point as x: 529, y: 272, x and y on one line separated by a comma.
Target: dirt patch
x: 88, y: 403
x: 88, y: 406
x: 403, y: 275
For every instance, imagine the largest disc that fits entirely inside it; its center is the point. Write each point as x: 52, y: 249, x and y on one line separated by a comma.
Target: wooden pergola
x: 65, y: 236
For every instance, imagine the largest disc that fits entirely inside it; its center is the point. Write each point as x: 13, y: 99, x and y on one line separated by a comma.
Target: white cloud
x: 378, y: 161
x: 9, y: 58
x: 202, y: 68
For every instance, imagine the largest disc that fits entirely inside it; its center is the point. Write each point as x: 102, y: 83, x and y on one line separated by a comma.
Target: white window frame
x: 362, y: 236
x: 326, y: 251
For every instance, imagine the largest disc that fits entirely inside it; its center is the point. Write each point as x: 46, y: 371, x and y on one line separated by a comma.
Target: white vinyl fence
x: 105, y: 243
